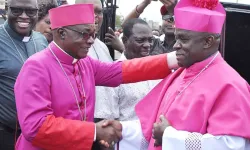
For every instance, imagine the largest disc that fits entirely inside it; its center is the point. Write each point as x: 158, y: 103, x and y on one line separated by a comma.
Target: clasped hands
x: 108, y: 132
x: 158, y: 130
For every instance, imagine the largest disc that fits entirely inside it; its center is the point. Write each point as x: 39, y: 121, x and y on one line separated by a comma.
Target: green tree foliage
x: 118, y: 21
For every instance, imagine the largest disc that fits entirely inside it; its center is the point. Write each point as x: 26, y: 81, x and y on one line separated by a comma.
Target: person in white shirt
x: 138, y: 40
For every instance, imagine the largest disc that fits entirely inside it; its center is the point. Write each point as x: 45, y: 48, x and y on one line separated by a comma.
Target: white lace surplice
x: 128, y: 95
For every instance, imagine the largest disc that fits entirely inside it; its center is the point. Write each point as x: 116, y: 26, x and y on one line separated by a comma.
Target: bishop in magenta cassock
x: 55, y: 90
x: 205, y: 104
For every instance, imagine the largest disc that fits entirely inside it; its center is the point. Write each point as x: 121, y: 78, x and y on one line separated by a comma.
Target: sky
x: 152, y: 12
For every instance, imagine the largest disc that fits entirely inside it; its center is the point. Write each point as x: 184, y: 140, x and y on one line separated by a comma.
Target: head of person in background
x: 22, y: 16
x: 168, y: 28
x: 98, y: 11
x: 137, y: 38
x: 156, y: 33
x: 117, y: 33
x: 120, y: 30
x: 168, y: 22
x: 43, y: 23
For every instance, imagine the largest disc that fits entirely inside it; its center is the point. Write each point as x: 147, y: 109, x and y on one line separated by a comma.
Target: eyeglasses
x: 85, y: 36
x: 61, y: 2
x: 168, y: 18
x: 19, y: 11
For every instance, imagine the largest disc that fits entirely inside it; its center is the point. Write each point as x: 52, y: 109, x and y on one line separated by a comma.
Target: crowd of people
x: 61, y: 90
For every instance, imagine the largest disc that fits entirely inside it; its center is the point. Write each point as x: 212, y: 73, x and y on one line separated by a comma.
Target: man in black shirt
x: 17, y: 43
x: 167, y: 40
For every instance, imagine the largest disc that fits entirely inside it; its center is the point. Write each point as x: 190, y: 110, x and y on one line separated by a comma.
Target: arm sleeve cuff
x: 132, y: 137
x: 59, y: 133
x: 183, y: 140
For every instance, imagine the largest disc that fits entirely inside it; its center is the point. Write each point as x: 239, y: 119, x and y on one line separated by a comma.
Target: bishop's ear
x: 209, y: 41
x: 61, y: 33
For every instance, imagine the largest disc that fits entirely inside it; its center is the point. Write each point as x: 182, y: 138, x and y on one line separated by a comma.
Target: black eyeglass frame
x: 168, y: 18
x: 23, y: 10
x: 83, y: 34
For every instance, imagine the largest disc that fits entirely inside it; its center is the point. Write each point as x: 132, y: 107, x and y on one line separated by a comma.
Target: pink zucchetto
x: 200, y: 15
x: 67, y: 15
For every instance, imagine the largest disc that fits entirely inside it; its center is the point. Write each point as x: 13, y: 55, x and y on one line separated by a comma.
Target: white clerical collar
x: 74, y: 60
x: 26, y: 39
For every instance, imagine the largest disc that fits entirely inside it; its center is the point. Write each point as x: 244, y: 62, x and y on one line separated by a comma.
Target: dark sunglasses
x: 61, y: 2
x: 19, y: 11
x: 85, y: 36
x: 168, y: 18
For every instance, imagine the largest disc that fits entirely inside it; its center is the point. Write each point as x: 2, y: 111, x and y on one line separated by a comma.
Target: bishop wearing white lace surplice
x: 205, y: 104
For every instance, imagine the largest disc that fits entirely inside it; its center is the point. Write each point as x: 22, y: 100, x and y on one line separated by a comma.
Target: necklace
x: 20, y: 55
x: 198, y: 74
x: 77, y: 102
x: 179, y: 93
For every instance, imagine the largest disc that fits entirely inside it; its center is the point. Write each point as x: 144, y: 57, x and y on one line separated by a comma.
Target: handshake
x: 108, y: 132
